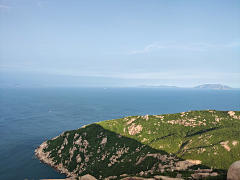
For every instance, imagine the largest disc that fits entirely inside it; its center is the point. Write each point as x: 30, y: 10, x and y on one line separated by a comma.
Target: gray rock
x: 234, y: 171
x: 158, y: 177
x: 195, y: 176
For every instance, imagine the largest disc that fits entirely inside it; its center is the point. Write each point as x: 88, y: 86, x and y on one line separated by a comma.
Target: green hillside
x: 147, y: 145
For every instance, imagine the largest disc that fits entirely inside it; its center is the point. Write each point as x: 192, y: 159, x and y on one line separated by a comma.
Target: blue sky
x: 120, y: 43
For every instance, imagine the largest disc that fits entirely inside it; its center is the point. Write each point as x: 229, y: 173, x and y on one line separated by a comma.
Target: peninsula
x: 173, y: 145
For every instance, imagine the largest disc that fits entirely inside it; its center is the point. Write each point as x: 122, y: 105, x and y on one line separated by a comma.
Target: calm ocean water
x: 29, y: 115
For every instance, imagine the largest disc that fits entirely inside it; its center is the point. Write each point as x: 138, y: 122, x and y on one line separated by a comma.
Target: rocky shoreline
x: 46, y: 159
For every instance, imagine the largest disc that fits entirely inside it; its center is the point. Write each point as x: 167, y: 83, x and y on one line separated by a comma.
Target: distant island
x: 213, y: 86
x: 159, y: 86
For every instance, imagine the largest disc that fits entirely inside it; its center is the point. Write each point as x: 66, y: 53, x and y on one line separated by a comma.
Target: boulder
x: 195, y: 176
x: 137, y: 178
x: 214, y: 174
x: 87, y: 177
x: 234, y: 171
x: 158, y: 177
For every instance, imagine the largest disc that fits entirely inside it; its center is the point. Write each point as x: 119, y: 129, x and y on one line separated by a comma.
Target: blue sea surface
x: 30, y: 115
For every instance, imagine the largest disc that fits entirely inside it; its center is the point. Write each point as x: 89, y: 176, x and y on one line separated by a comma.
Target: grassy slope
x: 199, y: 142
x: 160, y: 134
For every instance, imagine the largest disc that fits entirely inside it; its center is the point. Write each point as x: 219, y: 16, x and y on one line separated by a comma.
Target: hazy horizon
x: 105, y: 87
x: 120, y: 43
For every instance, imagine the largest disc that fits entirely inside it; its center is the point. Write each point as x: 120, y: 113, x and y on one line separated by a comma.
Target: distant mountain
x: 160, y: 86
x: 213, y: 86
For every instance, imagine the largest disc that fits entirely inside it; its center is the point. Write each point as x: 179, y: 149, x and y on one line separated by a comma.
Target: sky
x: 119, y: 43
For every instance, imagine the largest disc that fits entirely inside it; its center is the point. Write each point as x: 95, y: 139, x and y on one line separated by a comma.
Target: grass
x: 190, y: 135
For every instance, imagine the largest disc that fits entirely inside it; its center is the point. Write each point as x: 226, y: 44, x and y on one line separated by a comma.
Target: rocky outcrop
x: 168, y: 163
x: 234, y: 171
x: 104, y: 141
x: 46, y: 159
x: 183, y: 165
x: 87, y: 177
x: 145, y: 117
x: 225, y: 145
x: 158, y: 177
x: 232, y: 114
x: 129, y: 122
x: 234, y: 143
x: 166, y: 178
x: 203, y: 173
x: 137, y: 178
x: 78, y: 158
x: 134, y: 129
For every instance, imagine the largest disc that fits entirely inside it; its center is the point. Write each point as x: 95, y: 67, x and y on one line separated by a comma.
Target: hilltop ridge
x: 146, y: 145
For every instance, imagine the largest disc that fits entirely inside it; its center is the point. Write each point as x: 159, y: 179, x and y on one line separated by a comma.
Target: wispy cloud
x: 185, y: 47
x: 149, y: 48
x: 5, y: 7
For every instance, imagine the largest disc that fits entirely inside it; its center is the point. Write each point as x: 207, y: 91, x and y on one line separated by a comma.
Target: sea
x: 28, y: 115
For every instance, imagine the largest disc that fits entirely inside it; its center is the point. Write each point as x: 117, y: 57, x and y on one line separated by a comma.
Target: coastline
x: 46, y: 159
x: 100, y: 134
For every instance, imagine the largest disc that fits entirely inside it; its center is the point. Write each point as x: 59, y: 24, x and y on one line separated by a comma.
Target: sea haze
x: 30, y: 115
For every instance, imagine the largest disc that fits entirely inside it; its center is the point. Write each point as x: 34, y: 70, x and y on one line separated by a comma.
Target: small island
x: 213, y: 86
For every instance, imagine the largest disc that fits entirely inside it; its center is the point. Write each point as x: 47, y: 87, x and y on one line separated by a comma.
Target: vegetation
x: 150, y: 145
